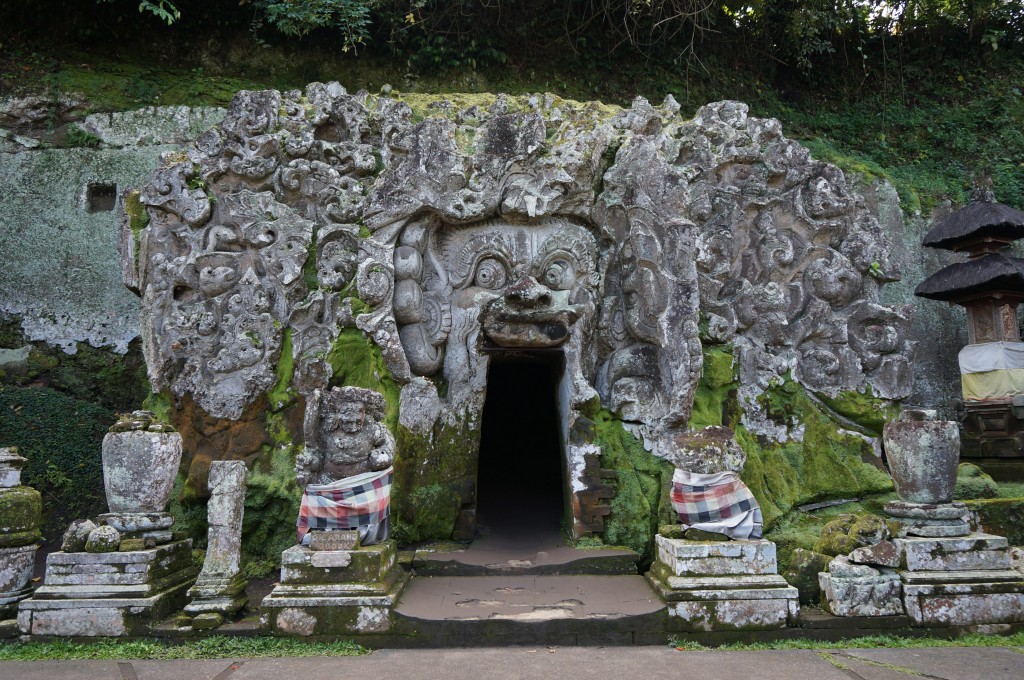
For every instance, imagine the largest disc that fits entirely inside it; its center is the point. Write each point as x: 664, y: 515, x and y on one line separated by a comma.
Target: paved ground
x: 542, y: 663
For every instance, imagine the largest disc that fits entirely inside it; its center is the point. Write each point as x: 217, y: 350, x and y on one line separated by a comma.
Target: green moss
x: 282, y: 394
x: 356, y: 360
x: 849, y: 531
x: 138, y: 217
x: 21, y: 510
x: 160, y: 404
x: 439, y: 471
x: 828, y: 463
x: 714, y: 402
x: 973, y: 482
x: 272, y: 499
x: 865, y: 410
x: 643, y: 483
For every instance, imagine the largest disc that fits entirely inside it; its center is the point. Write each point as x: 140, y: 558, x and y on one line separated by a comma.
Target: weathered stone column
x: 20, y: 510
x: 219, y: 593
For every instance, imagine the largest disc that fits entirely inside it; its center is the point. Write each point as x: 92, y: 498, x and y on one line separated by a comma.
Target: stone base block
x: 880, y: 595
x: 335, y: 592
x: 99, y: 617
x: 225, y: 597
x: 716, y: 558
x: 372, y: 564
x: 725, y: 603
x: 969, y: 553
x: 16, y: 566
x: 965, y: 598
x: 116, y: 593
x: 136, y: 573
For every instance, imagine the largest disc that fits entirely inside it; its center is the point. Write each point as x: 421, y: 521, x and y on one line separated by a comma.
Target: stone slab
x: 976, y: 551
x: 732, y: 614
x: 89, y: 617
x: 878, y: 596
x: 302, y: 565
x: 964, y: 604
x: 694, y: 558
x: 332, y: 610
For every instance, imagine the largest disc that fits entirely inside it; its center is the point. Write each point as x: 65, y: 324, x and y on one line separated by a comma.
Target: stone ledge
x: 710, y: 558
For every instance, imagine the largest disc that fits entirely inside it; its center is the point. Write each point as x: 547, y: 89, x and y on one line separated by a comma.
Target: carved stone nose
x: 526, y: 292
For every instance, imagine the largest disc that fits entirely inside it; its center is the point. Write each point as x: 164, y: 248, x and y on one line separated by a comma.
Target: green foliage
x: 215, y: 647
x: 60, y: 436
x: 297, y: 18
x: 272, y: 499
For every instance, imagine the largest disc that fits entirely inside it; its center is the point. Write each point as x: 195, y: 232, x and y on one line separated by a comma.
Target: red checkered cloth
x: 721, y: 503
x: 350, y: 503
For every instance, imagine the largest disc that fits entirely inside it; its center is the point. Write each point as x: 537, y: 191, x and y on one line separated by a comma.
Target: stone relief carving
x: 619, y: 236
x: 344, y: 436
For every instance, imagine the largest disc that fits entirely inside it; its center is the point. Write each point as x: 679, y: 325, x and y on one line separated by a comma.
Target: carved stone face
x: 351, y: 418
x: 529, y: 281
x: 525, y: 284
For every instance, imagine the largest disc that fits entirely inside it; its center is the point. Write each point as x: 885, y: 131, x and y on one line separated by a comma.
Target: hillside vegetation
x: 926, y: 93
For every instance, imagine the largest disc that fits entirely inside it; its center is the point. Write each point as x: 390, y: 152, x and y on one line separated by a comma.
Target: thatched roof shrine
x: 979, y: 225
x: 990, y: 273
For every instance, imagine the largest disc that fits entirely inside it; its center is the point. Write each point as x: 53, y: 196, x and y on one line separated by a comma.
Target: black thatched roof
x: 976, y: 220
x: 989, y: 273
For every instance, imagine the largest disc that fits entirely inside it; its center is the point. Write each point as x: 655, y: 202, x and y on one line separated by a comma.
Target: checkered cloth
x: 350, y: 503
x: 721, y: 503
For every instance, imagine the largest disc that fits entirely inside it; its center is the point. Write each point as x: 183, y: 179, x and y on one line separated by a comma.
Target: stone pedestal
x: 20, y: 511
x: 335, y: 592
x: 961, y: 581
x: 722, y: 585
x: 111, y: 593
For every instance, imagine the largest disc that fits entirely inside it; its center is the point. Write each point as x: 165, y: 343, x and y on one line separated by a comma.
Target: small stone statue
x: 707, y: 491
x: 345, y: 467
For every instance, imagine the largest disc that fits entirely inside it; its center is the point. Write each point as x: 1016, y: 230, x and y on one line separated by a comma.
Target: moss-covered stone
x: 1002, y: 517
x: 864, y: 409
x: 848, y: 532
x: 803, y: 574
x: 21, y: 510
x: 642, y: 486
x: 714, y: 401
x: 829, y: 462
x: 435, y: 478
x: 973, y: 482
x: 355, y: 360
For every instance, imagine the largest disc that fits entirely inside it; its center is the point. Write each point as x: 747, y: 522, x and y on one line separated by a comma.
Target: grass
x: 868, y: 642
x: 216, y: 647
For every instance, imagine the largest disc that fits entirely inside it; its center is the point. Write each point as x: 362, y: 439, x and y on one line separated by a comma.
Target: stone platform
x: 960, y: 581
x: 335, y: 592
x: 111, y: 593
x: 722, y: 585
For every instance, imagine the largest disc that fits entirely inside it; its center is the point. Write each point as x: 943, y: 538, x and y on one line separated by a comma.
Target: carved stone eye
x: 490, y: 273
x: 558, y: 275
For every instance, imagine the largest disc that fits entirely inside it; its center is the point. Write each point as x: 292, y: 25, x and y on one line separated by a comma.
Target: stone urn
x: 922, y: 454
x: 140, y: 461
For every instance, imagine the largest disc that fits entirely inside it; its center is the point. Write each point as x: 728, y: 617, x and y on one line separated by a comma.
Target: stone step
x: 538, y: 555
x: 527, y: 598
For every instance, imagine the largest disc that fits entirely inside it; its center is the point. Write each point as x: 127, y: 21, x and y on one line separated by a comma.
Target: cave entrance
x: 520, y: 477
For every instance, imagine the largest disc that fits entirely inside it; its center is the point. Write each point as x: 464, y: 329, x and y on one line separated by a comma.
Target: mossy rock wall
x: 824, y: 458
